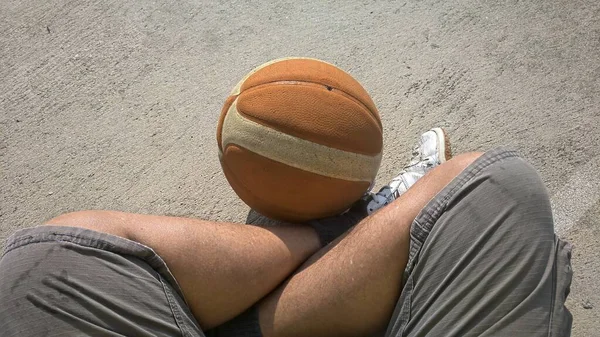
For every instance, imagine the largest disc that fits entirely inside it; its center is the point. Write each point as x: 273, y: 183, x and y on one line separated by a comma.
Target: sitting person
x: 461, y: 246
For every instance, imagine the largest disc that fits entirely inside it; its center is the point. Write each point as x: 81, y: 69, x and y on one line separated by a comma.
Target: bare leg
x: 350, y: 289
x: 222, y: 268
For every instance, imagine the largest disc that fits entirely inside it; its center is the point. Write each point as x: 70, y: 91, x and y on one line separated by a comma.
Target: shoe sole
x: 445, y: 150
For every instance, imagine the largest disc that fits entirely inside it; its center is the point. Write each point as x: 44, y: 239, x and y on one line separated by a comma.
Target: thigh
x: 484, y: 258
x: 64, y: 281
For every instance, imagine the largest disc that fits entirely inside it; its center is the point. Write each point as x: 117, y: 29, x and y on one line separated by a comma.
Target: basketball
x: 299, y: 139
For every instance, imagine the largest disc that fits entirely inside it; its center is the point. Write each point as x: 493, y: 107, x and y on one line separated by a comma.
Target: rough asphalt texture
x: 113, y: 105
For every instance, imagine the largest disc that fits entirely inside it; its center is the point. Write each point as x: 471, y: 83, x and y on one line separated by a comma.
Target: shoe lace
x: 417, y: 160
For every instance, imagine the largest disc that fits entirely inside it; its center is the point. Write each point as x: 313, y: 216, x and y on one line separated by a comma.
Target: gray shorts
x: 484, y: 260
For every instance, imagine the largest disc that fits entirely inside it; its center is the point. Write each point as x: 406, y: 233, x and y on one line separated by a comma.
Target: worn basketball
x: 299, y: 139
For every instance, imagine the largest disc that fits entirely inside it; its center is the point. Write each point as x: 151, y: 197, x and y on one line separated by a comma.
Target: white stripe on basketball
x: 296, y: 152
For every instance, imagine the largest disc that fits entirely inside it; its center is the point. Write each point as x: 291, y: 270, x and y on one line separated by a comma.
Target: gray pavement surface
x: 113, y: 104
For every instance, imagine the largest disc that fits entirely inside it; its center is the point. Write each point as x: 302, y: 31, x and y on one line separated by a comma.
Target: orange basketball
x: 299, y: 139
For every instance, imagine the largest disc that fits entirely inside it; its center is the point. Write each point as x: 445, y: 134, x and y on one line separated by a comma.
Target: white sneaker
x: 432, y: 149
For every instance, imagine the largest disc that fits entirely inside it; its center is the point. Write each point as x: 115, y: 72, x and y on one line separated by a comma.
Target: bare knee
x: 100, y: 221
x: 465, y: 159
x: 74, y: 219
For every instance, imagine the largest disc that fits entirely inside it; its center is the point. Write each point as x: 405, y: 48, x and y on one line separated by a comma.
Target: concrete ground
x: 109, y: 104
